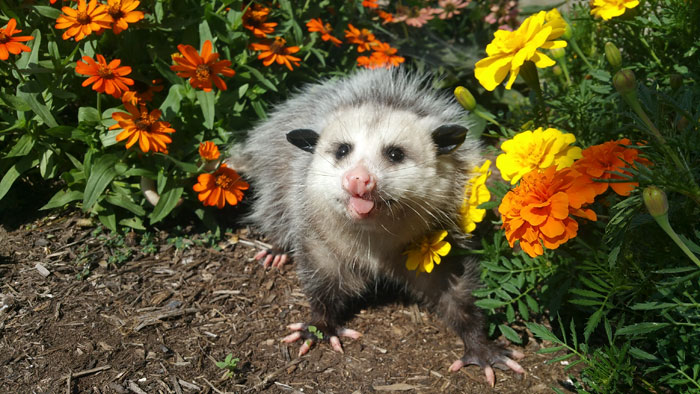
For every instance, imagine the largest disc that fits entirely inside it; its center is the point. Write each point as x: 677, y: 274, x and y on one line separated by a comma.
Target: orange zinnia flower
x: 364, y: 38
x: 537, y: 211
x: 209, y: 151
x: 383, y: 56
x: 223, y: 186
x: 324, y: 29
x: 144, y: 127
x: 386, y: 16
x: 106, y: 78
x: 370, y: 3
x: 142, y: 92
x: 123, y: 12
x: 202, y: 70
x: 600, y: 161
x: 9, y: 44
x: 254, y: 20
x: 276, y: 52
x: 88, y: 18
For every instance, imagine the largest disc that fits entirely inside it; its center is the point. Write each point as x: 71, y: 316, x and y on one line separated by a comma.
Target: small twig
x: 90, y: 371
x: 176, y: 385
x: 135, y: 388
x: 68, y: 379
x: 266, y: 380
x: 151, y: 320
x: 212, y: 386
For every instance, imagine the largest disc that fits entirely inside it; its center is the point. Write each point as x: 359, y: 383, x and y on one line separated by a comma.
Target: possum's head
x: 381, y: 165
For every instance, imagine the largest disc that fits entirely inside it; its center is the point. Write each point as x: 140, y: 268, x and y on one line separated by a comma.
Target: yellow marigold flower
x: 425, y: 254
x: 475, y: 194
x: 536, y: 149
x: 510, y: 49
x: 608, y: 9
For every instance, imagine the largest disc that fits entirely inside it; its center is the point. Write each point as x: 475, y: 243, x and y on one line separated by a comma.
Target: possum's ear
x: 449, y: 137
x: 303, y: 139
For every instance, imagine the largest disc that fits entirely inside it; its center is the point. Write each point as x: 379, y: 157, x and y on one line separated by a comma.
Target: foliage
x: 229, y: 364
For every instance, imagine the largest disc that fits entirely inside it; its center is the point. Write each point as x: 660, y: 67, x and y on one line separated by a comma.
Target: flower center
x: 278, y: 45
x: 83, y: 18
x: 105, y: 72
x: 115, y: 10
x: 202, y: 71
x: 224, y: 182
x: 3, y: 38
x: 146, y: 121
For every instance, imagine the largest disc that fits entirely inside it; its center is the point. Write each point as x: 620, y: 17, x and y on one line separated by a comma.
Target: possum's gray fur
x: 299, y: 200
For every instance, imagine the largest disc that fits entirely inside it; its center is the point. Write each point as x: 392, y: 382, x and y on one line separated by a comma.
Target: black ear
x: 303, y: 139
x: 449, y: 137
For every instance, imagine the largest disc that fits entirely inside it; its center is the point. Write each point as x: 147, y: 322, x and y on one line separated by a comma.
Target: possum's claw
x: 301, y: 331
x: 496, y: 360
x: 271, y: 258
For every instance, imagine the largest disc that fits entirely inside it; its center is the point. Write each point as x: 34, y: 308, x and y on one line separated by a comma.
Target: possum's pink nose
x: 358, y: 181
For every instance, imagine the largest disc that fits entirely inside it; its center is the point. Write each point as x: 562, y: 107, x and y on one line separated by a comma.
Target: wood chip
x: 42, y: 270
x: 135, y: 388
x: 396, y: 387
x: 189, y: 385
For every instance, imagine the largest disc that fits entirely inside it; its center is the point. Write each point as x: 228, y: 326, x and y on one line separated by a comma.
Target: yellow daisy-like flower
x: 509, y: 50
x: 475, y: 194
x: 427, y: 253
x: 536, y: 149
x: 608, y: 9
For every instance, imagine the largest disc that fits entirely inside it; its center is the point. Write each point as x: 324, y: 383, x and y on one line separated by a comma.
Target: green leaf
x: 101, y: 174
x: 258, y: 75
x: 641, y: 328
x: 31, y: 57
x: 26, y: 93
x: 187, y: 167
x: 642, y: 355
x: 592, y: 323
x: 171, y: 105
x: 62, y: 198
x: 89, y: 115
x: 109, y: 220
x: 645, y: 306
x: 207, y: 100
x: 109, y: 137
x: 136, y: 223
x: 15, y: 171
x: 509, y: 333
x: 543, y: 332
x: 547, y: 350
x: 49, y: 12
x: 47, y: 165
x: 522, y: 308
x: 489, y: 303
x: 168, y: 201
x: 205, y: 34
x: 23, y: 146
x: 14, y: 102
x: 587, y: 293
x: 126, y: 203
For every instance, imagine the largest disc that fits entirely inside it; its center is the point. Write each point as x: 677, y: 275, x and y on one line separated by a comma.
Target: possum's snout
x: 359, y: 183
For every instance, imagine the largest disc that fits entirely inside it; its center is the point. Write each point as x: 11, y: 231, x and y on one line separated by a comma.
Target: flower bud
x: 556, y: 70
x: 613, y: 55
x: 625, y: 82
x: 567, y: 32
x: 558, y: 53
x: 655, y: 201
x: 465, y: 98
x: 676, y: 81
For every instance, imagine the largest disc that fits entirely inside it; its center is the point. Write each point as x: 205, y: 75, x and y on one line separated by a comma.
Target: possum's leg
x: 272, y: 258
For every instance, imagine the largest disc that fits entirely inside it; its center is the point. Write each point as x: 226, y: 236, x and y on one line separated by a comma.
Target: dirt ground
x: 82, y: 312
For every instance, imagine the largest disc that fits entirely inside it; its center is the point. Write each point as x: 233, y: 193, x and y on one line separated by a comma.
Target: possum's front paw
x: 272, y: 258
x: 311, y: 334
x: 489, y: 355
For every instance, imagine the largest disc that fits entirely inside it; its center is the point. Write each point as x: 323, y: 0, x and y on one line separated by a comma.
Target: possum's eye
x: 342, y: 151
x: 394, y: 154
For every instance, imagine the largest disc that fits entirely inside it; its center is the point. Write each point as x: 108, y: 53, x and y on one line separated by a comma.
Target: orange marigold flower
x: 601, y: 161
x: 254, y: 19
x: 9, y: 44
x: 364, y: 39
x: 370, y: 3
x: 276, y: 51
x: 324, y: 29
x: 223, y: 186
x: 123, y: 12
x: 387, y: 17
x: 208, y: 151
x: 88, y: 18
x: 144, y: 127
x: 142, y: 92
x: 538, y: 211
x: 202, y: 70
x: 106, y: 78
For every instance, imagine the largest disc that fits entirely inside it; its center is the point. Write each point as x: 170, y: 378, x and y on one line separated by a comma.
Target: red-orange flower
x: 209, y: 151
x: 600, y: 161
x: 202, y: 70
x: 88, y: 18
x: 370, y: 3
x: 123, y: 12
x: 144, y: 127
x: 276, y: 51
x: 324, y: 29
x: 106, y: 78
x: 364, y: 39
x: 142, y: 92
x: 386, y: 16
x: 254, y: 19
x: 9, y: 44
x: 383, y: 56
x: 538, y: 211
x: 223, y: 186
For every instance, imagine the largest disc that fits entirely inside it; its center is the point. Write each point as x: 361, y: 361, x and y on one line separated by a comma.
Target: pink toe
x: 335, y: 344
x: 490, y: 376
x: 267, y: 261
x: 260, y: 254
x: 456, y: 366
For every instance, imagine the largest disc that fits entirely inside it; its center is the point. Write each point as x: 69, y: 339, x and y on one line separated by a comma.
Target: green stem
x: 485, y: 116
x: 14, y: 66
x: 662, y: 220
x: 565, y: 68
x: 579, y: 52
x: 99, y: 105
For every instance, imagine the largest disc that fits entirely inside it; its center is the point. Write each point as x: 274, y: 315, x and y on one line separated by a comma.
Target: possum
x: 348, y: 174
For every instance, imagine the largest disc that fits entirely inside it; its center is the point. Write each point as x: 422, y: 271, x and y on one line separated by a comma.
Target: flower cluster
x: 419, y: 16
x: 272, y: 50
x: 94, y: 17
x: 504, y: 14
x: 383, y: 55
x: 509, y: 50
x: 553, y: 187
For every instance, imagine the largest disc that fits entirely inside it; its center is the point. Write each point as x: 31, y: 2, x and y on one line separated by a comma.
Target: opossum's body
x: 381, y: 165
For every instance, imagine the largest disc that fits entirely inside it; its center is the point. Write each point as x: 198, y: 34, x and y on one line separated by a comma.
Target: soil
x: 84, y: 312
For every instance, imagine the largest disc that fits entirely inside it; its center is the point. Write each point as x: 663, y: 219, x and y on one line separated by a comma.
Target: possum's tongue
x: 360, y: 207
